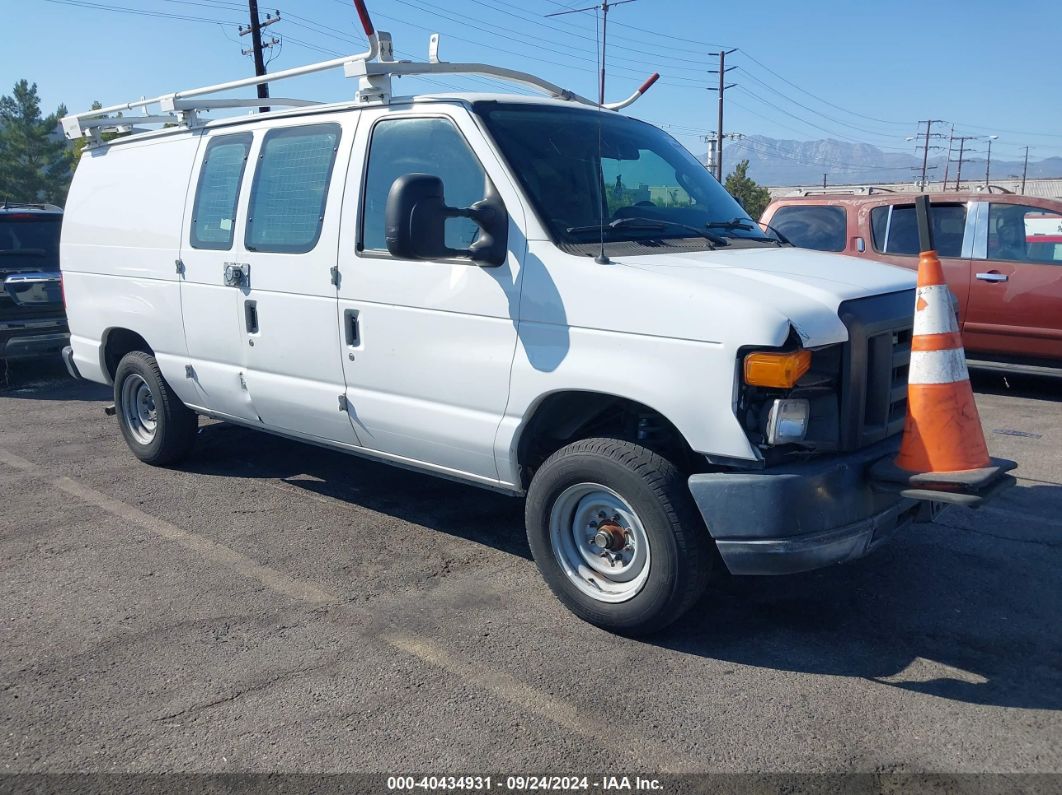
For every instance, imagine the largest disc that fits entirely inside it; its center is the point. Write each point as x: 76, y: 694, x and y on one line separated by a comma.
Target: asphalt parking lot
x: 270, y: 606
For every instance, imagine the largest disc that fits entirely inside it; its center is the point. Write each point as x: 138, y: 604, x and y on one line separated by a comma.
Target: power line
x: 140, y: 12
x: 816, y: 112
x: 603, y: 7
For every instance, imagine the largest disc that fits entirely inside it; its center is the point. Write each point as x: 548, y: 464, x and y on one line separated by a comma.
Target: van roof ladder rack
x: 373, y: 68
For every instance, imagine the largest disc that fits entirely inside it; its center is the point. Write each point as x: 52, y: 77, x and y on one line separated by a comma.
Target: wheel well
x: 119, y: 342
x: 566, y: 417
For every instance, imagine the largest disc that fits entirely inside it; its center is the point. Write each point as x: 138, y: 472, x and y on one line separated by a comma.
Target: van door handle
x: 250, y: 316
x: 237, y: 274
x: 351, y: 327
x: 993, y: 276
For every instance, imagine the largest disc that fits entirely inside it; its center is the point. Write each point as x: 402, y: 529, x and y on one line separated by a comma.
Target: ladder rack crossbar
x: 374, y: 77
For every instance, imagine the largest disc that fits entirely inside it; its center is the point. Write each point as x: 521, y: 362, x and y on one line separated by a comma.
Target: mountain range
x: 774, y: 161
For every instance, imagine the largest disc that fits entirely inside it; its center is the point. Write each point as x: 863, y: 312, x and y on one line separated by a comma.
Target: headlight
x: 787, y: 421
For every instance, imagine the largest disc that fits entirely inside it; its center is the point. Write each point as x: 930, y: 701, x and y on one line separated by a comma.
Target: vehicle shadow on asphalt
x: 468, y: 512
x: 46, y: 379
x: 959, y: 612
x: 956, y: 612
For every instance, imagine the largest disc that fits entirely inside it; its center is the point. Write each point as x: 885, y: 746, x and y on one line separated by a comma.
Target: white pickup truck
x: 536, y: 295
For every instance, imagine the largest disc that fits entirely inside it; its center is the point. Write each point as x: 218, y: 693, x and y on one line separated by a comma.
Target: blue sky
x: 850, y: 70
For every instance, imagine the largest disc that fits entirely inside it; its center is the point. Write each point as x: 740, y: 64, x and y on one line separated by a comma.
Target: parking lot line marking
x: 534, y: 701
x: 493, y: 681
x: 16, y: 462
x: 219, y: 553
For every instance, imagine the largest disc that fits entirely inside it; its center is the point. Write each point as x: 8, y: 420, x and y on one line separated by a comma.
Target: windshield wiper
x: 746, y: 226
x: 650, y: 223
x: 737, y: 223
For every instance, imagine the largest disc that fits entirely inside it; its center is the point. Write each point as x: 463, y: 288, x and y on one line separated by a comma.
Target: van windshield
x: 588, y: 169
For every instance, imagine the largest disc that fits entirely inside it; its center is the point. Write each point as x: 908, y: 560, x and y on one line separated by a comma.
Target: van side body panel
x: 120, y: 243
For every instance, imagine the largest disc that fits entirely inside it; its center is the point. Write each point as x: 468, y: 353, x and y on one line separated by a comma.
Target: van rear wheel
x: 616, y: 535
x: 156, y: 425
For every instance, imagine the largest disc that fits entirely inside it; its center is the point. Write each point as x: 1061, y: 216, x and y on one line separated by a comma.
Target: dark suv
x: 32, y: 319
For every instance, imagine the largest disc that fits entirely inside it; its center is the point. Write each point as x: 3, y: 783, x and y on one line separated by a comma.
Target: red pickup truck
x: 1002, y: 256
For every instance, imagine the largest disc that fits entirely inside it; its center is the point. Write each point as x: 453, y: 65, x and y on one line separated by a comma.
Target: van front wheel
x: 616, y: 536
x: 156, y: 425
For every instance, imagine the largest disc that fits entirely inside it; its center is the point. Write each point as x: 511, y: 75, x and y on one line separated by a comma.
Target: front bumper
x: 803, y: 516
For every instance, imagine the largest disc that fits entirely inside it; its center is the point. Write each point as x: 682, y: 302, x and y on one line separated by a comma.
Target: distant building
x: 1039, y: 188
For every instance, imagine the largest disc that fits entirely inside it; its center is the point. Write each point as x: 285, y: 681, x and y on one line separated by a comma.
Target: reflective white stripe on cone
x: 934, y: 312
x: 938, y: 367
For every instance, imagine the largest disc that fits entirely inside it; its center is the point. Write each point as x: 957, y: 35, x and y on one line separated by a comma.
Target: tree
x: 34, y: 158
x: 749, y: 194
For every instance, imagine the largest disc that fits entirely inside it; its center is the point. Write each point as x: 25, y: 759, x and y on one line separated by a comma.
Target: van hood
x: 750, y: 296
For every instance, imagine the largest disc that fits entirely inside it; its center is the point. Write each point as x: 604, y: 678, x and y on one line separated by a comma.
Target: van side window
x: 895, y: 229
x: 290, y: 187
x: 818, y: 226
x: 420, y: 146
x: 216, y: 194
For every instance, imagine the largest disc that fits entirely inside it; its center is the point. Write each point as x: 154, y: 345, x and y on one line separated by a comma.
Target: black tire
x: 175, y: 424
x: 682, y: 553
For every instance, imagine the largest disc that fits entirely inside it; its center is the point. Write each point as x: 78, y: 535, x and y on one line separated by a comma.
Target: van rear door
x: 209, y: 306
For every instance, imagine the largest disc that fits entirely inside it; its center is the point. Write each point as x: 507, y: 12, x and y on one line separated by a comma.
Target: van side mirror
x: 415, y: 220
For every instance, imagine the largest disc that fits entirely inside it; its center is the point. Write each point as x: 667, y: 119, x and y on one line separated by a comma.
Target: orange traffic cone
x: 942, y: 432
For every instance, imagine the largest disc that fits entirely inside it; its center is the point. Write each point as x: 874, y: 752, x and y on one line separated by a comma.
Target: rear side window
x: 290, y: 187
x: 820, y: 227
x: 218, y: 190
x: 29, y: 240
x: 895, y: 229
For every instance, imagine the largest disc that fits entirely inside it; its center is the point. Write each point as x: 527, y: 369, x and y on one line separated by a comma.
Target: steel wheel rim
x: 580, y: 515
x: 138, y: 408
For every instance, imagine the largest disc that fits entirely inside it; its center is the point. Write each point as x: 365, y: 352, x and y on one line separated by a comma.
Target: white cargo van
x: 536, y: 295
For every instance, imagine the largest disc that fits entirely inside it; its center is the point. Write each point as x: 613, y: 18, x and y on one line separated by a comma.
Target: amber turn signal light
x: 780, y: 370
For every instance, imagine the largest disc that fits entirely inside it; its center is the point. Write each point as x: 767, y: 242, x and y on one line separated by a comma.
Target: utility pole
x: 824, y: 180
x: 1024, y: 171
x: 723, y: 86
x: 947, y: 162
x: 255, y: 29
x: 925, y: 148
x: 988, y: 159
x: 603, y: 7
x: 962, y: 139
x: 710, y: 140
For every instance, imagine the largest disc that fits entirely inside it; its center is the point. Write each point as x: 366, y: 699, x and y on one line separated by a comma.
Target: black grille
x: 874, y: 370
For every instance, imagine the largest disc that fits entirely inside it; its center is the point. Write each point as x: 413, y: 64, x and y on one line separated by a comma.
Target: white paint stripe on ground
x: 938, y: 367
x: 938, y: 317
x: 211, y: 550
x: 493, y: 681
x: 536, y: 702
